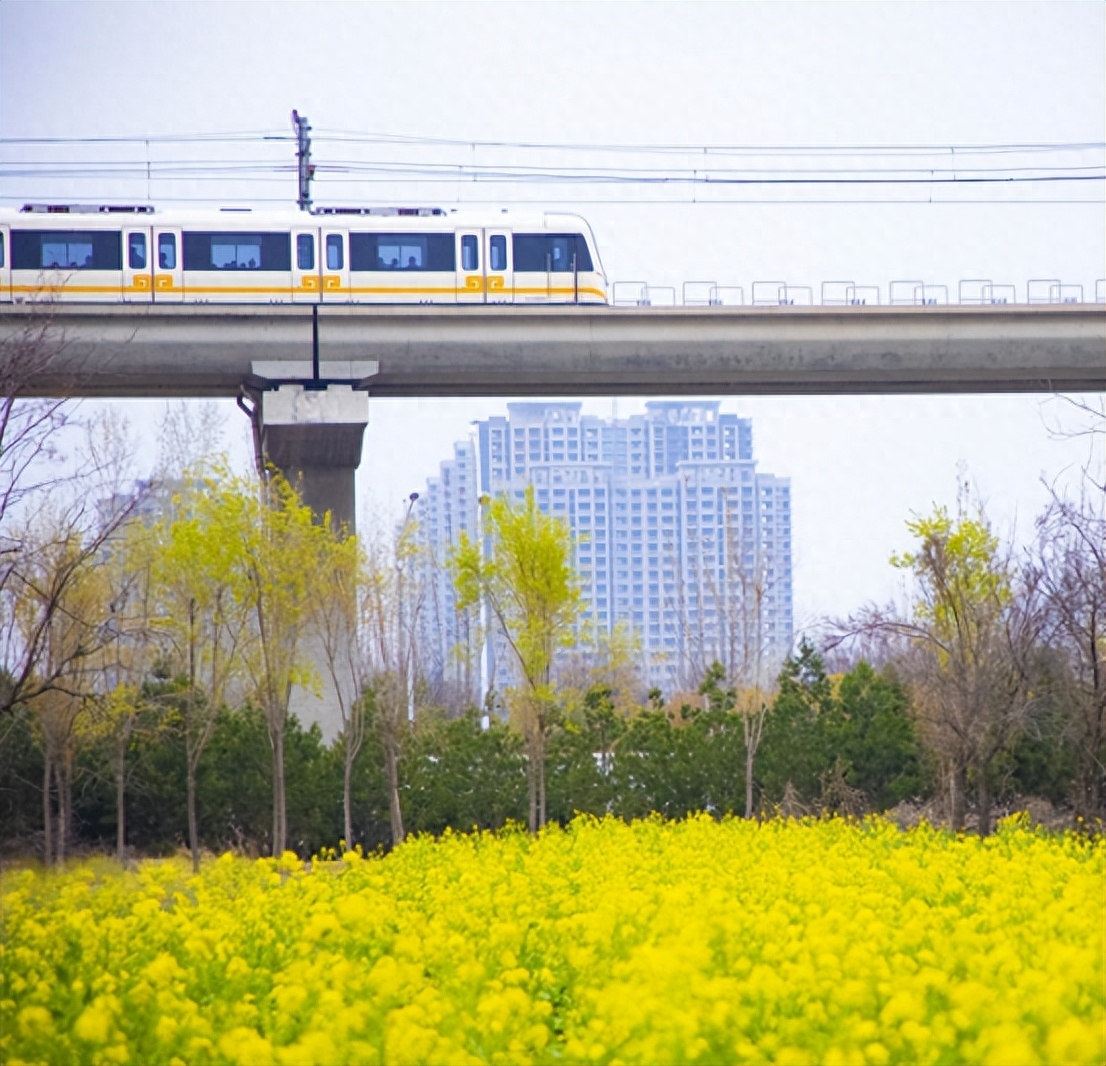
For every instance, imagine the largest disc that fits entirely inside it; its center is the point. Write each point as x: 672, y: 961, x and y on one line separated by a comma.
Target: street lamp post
x: 406, y: 639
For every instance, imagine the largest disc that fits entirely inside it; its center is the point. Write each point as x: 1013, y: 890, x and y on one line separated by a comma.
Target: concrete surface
x: 206, y: 350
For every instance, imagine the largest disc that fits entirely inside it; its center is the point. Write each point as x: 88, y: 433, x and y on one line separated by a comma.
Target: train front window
x: 167, y: 251
x: 470, y: 253
x: 136, y: 251
x: 558, y: 253
x: 498, y: 253
x: 335, y: 259
x: 305, y: 252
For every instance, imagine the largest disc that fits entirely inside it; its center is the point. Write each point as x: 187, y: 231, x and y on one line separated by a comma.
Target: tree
x: 971, y: 647
x: 795, y: 754
x: 601, y: 660
x: 744, y: 663
x: 31, y: 428
x: 582, y: 755
x: 58, y: 536
x: 868, y: 727
x: 279, y: 544
x: 461, y: 775
x: 194, y: 552
x: 530, y: 588
x: 390, y: 609
x: 61, y: 614
x: 126, y: 661
x: 1068, y: 564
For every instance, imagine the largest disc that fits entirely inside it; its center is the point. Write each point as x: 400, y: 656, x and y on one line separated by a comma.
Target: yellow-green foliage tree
x: 195, y: 555
x: 973, y: 634
x: 530, y: 588
x: 280, y: 545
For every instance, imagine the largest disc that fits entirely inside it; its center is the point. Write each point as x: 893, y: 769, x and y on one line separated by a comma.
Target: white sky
x: 825, y: 74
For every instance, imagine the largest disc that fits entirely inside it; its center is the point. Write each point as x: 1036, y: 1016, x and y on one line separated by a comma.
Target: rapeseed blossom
x: 604, y: 942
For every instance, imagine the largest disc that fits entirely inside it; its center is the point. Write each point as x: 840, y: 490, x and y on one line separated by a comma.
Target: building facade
x: 677, y: 536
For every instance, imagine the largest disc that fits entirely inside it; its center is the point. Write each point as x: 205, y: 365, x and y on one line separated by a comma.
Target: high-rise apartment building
x: 676, y: 534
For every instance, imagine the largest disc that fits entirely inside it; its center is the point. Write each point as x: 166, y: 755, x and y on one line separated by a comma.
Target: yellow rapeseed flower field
x: 697, y: 941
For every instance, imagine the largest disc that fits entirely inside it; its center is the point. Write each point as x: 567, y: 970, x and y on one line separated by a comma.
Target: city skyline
x: 677, y: 537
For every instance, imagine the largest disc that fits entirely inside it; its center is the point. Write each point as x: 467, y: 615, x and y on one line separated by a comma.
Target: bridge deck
x: 210, y: 350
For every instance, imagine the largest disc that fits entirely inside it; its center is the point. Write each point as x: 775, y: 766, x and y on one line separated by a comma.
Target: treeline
x: 845, y: 744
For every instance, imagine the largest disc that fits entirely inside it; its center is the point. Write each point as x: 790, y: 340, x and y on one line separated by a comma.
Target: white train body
x: 336, y: 255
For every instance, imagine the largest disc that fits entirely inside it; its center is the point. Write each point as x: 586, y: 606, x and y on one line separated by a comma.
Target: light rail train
x: 134, y: 254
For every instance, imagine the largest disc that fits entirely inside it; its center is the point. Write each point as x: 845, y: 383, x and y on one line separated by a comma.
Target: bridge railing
x: 911, y: 292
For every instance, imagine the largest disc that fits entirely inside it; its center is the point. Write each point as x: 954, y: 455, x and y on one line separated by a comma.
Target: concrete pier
x: 312, y: 433
x: 313, y: 437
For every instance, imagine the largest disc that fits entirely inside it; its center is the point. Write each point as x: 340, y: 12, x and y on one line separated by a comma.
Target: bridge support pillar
x: 312, y: 433
x: 313, y: 437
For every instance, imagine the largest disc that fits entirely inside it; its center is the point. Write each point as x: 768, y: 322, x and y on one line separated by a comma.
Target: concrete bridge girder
x: 210, y: 350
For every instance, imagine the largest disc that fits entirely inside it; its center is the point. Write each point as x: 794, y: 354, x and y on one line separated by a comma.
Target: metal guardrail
x: 900, y: 293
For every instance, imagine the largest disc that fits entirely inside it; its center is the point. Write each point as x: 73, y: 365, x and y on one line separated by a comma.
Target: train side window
x: 305, y: 252
x: 136, y: 251
x: 167, y: 251
x: 66, y: 250
x: 236, y: 251
x: 470, y: 253
x: 235, y: 254
x: 403, y: 251
x: 2, y: 259
x: 335, y: 260
x: 498, y: 253
x: 71, y: 254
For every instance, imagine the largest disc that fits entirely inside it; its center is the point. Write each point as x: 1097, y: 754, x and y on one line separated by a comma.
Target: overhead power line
x: 644, y: 148
x: 156, y: 138
x: 353, y: 136
x: 439, y: 173
x: 375, y: 159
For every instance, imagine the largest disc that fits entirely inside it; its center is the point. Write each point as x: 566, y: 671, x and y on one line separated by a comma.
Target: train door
x: 335, y: 267
x: 470, y: 267
x: 5, y: 264
x: 499, y: 270
x: 167, y: 257
x: 306, y: 273
x: 138, y: 266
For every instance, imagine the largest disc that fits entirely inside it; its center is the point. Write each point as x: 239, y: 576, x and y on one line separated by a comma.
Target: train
x: 115, y: 253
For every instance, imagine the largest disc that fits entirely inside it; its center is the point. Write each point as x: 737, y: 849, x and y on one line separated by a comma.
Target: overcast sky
x: 790, y: 80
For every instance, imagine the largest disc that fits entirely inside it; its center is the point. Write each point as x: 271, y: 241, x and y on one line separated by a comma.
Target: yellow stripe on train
x: 163, y: 283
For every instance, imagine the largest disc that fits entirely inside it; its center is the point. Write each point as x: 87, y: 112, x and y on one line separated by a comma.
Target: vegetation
x: 530, y: 588
x: 697, y: 941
